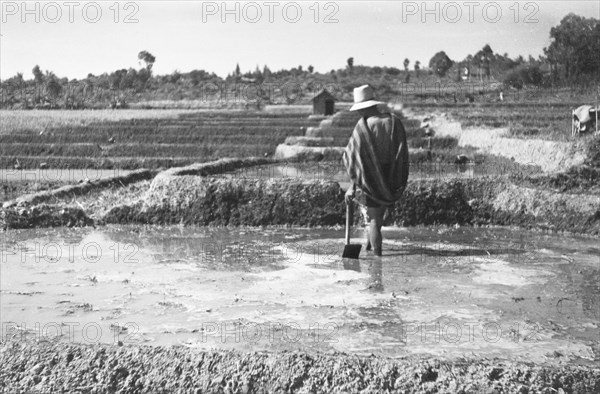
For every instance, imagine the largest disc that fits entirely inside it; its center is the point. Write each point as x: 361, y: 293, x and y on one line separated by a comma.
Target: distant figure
x: 583, y: 119
x: 376, y: 159
x: 501, y: 95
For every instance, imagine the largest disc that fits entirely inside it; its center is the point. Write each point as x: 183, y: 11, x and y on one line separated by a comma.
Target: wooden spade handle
x: 349, y: 213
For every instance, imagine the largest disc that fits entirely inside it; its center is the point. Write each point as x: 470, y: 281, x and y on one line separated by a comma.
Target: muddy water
x: 445, y: 292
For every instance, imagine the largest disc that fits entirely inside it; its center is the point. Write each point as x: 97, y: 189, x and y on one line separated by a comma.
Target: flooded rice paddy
x: 447, y: 292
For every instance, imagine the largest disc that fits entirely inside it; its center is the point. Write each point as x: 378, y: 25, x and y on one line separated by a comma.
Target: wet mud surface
x: 444, y: 292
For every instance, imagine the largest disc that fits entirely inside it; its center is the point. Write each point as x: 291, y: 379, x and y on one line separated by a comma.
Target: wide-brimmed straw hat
x: 364, y: 98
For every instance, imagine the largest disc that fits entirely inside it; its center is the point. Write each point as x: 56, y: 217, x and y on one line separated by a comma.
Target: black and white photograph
x: 299, y: 197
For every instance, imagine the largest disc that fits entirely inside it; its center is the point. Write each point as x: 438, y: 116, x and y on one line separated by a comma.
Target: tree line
x: 571, y: 58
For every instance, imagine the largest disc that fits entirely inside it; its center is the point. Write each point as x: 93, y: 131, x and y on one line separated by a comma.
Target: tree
x: 140, y: 78
x: 19, y: 84
x: 20, y: 81
x: 575, y: 44
x: 487, y: 55
x: 237, y: 70
x: 440, y: 63
x: 174, y: 77
x: 350, y: 62
x: 147, y: 58
x: 257, y: 74
x: 311, y: 69
x: 53, y: 87
x: 523, y: 75
x: 483, y: 59
x: 196, y: 76
x: 266, y: 72
x: 417, y: 68
x: 115, y: 78
x: 38, y: 76
x: 406, y: 63
x: 128, y: 79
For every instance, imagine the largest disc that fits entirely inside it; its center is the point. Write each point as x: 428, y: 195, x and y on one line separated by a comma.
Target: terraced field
x: 149, y: 143
x: 524, y: 120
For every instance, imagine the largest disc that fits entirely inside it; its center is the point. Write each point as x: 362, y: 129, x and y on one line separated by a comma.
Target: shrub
x: 523, y: 75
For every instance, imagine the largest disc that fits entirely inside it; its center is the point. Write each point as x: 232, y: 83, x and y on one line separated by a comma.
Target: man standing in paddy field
x: 376, y: 159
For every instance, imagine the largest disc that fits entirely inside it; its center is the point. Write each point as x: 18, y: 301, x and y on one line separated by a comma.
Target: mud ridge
x: 201, y: 195
x: 80, y: 188
x: 220, y: 201
x: 50, y: 367
x: 233, y: 202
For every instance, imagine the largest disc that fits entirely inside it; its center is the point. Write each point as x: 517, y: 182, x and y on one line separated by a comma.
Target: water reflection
x: 351, y: 264
x: 375, y: 274
x: 374, y: 267
x: 186, y: 277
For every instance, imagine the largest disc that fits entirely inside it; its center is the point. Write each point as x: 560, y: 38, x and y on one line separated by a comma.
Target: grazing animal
x: 111, y: 140
x: 43, y: 165
x: 583, y: 119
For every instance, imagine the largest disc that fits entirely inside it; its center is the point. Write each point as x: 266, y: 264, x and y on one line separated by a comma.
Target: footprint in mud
x: 170, y: 305
x: 72, y: 309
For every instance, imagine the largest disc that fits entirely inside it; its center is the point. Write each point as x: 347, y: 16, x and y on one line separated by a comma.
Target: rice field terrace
x: 144, y: 142
x: 143, y: 139
x: 523, y: 120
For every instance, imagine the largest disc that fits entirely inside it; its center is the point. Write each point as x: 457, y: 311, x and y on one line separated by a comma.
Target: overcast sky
x: 80, y: 37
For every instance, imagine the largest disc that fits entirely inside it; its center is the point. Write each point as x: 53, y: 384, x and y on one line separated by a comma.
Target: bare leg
x: 365, y: 214
x: 375, y: 223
